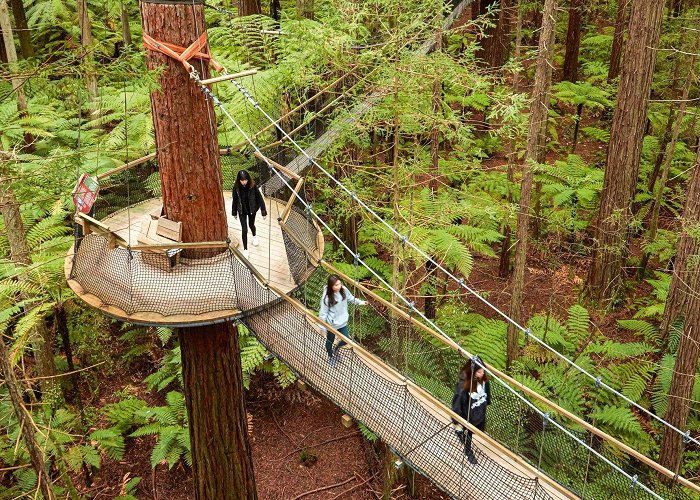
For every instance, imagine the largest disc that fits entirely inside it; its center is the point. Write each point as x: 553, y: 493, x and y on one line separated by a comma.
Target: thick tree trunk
x: 16, y: 234
x: 497, y: 40
x: 605, y: 279
x: 211, y: 372
x: 573, y: 40
x: 249, y: 7
x: 22, y: 28
x: 191, y: 181
x: 535, y: 140
x: 36, y: 457
x: 686, y: 284
x: 618, y: 39
x: 86, y: 42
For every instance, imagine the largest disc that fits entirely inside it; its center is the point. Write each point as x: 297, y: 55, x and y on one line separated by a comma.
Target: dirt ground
x: 300, y: 450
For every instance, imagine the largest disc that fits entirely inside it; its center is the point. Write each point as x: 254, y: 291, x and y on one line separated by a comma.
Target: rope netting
x: 550, y: 442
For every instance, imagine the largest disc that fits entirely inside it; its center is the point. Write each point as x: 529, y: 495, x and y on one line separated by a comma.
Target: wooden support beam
x: 281, y: 168
x: 182, y: 246
x: 126, y: 166
x: 232, y: 76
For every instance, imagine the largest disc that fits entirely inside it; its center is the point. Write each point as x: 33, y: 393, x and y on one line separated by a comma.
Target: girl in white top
x: 334, y: 311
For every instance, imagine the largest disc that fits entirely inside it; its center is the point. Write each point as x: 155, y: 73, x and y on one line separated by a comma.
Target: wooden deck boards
x: 269, y: 257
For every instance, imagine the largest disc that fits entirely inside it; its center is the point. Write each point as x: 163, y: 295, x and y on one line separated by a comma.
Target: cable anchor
x: 598, y: 381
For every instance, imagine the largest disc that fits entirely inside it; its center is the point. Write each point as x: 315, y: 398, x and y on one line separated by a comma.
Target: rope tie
x: 198, y: 49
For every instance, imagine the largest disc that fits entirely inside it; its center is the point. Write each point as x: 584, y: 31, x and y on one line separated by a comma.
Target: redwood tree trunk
x: 535, y: 140
x: 497, y: 41
x: 573, y: 41
x: 22, y: 28
x: 605, y: 279
x: 249, y: 7
x: 618, y: 39
x: 685, y: 283
x: 191, y: 181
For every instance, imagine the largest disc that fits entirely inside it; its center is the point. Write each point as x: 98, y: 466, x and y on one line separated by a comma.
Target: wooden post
x: 191, y: 181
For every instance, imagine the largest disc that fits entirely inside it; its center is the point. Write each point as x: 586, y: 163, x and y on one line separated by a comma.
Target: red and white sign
x: 85, y: 193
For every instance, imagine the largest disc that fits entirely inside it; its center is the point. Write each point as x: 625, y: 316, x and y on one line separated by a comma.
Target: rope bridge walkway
x: 397, y: 373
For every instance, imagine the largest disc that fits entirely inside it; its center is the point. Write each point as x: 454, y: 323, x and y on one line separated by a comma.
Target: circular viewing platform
x: 119, y: 269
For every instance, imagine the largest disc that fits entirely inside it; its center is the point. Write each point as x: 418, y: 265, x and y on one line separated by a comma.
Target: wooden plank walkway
x: 402, y: 415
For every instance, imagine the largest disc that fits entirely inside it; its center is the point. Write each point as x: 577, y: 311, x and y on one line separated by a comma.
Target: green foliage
x: 169, y: 425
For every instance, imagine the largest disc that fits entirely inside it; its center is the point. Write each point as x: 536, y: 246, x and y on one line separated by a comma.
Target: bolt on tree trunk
x: 605, y: 278
x: 191, y: 181
x: 684, y: 290
x: 535, y: 140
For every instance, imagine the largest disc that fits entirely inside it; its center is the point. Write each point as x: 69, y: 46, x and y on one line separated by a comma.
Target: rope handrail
x: 633, y: 479
x: 404, y: 238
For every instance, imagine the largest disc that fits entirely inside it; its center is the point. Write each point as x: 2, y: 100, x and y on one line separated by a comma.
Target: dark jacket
x: 463, y: 400
x: 255, y: 201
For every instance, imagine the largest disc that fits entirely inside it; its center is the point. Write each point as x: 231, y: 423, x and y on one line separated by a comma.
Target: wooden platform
x: 156, y: 285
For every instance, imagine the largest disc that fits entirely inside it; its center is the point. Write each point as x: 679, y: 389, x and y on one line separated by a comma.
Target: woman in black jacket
x: 472, y: 396
x: 247, y: 200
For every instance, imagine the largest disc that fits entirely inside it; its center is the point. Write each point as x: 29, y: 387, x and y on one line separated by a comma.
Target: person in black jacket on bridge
x: 247, y: 200
x: 472, y: 396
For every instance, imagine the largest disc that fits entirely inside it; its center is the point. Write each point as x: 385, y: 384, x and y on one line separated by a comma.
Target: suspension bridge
x: 396, y: 373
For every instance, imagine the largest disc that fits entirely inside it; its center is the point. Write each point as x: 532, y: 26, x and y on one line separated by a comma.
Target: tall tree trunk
x: 249, y: 7
x: 86, y: 43
x: 36, y: 457
x: 42, y: 339
x: 668, y: 157
x: 275, y: 9
x: 605, y: 279
x: 618, y: 39
x: 305, y: 9
x: 504, y: 261
x: 535, y: 140
x: 126, y: 29
x: 22, y: 28
x: 685, y: 283
x: 497, y: 40
x: 191, y: 182
x: 11, y: 57
x: 573, y: 40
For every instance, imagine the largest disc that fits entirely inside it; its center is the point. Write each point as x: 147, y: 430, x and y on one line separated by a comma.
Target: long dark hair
x: 470, y: 381
x: 243, y: 175
x: 330, y: 295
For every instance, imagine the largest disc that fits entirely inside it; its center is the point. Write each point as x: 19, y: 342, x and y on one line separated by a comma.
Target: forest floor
x: 300, y: 450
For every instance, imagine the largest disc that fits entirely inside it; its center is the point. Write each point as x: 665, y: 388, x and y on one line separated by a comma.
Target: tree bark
x: 573, y: 40
x: 86, y: 42
x: 191, y: 181
x: 126, y: 29
x: 497, y: 39
x: 618, y: 39
x: 535, y: 140
x: 27, y: 426
x: 22, y: 28
x: 686, y: 284
x: 249, y: 7
x: 11, y: 57
x: 211, y: 373
x: 605, y: 279
x: 305, y: 9
x: 14, y: 227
